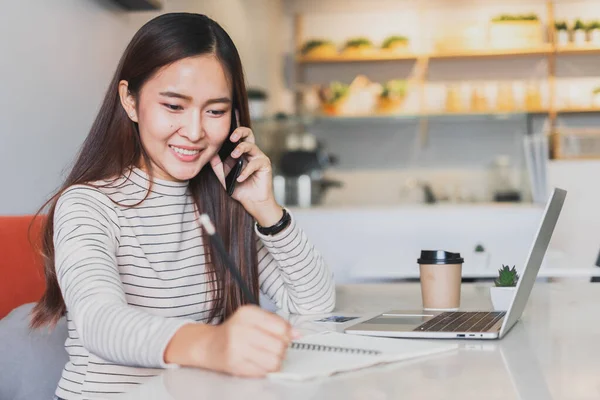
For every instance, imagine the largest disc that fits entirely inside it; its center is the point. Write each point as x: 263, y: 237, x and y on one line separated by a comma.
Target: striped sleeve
x: 293, y: 274
x: 86, y: 236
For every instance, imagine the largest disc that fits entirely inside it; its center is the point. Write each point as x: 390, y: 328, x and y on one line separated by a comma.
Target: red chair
x: 21, y: 268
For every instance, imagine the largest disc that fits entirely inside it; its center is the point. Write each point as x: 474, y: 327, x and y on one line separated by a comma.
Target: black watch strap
x: 278, y: 227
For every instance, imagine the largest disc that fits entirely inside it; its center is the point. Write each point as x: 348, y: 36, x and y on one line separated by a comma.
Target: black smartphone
x: 225, y: 152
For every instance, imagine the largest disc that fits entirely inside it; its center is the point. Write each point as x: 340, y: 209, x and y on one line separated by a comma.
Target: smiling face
x: 184, y: 115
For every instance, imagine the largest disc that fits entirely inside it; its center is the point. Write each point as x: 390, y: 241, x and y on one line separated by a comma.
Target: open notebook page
x: 327, y: 353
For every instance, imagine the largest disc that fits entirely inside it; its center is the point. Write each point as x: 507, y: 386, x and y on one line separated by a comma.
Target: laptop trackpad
x: 400, y: 322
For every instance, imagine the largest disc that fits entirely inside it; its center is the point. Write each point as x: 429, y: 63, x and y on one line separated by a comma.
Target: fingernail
x: 234, y: 137
x: 235, y: 153
x: 240, y: 178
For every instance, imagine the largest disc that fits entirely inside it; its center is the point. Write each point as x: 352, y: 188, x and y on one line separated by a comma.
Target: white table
x: 553, y: 353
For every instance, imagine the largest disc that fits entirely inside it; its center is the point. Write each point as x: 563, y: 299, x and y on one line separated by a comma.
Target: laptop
x: 470, y: 324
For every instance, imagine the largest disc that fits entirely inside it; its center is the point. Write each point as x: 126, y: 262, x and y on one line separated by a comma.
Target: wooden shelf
x: 542, y: 50
x: 575, y: 110
x: 385, y: 56
x: 574, y: 49
x: 342, y: 58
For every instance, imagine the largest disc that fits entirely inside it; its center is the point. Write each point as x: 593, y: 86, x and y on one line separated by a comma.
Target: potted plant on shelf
x: 481, y: 257
x: 594, y: 32
x: 318, y: 48
x: 503, y: 291
x: 562, y: 33
x: 395, y: 43
x: 391, y: 97
x: 358, y: 46
x: 514, y: 31
x: 257, y: 103
x: 333, y: 97
x: 579, y: 33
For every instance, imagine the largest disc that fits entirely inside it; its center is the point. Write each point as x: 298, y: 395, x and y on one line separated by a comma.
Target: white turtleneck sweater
x: 131, y: 277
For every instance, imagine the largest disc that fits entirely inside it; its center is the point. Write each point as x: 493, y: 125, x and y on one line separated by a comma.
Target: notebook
x: 328, y: 353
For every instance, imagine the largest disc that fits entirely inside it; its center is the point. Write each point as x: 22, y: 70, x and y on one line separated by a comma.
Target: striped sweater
x: 131, y: 277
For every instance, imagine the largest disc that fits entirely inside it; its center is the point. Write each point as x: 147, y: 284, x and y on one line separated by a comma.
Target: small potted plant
x: 481, y: 257
x: 358, y: 46
x: 257, y: 103
x: 579, y: 33
x: 594, y: 32
x: 333, y: 97
x: 392, y: 96
x: 395, y: 43
x: 503, y: 291
x: 319, y: 48
x: 515, y: 30
x: 562, y: 33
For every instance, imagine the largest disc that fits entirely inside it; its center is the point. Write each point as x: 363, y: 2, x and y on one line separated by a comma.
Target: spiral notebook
x: 328, y: 353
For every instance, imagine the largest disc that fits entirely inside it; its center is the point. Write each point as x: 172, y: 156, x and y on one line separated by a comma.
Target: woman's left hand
x: 254, y: 186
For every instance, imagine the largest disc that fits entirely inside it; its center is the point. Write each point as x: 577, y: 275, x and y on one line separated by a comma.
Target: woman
x: 126, y: 260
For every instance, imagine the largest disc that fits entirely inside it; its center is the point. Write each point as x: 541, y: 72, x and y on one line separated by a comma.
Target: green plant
x: 578, y: 25
x: 393, y: 39
x: 256, y: 94
x: 592, y: 25
x: 394, y: 88
x: 334, y: 92
x: 358, y: 41
x: 314, y: 43
x: 479, y: 248
x: 507, y: 277
x: 561, y: 25
x: 515, y: 17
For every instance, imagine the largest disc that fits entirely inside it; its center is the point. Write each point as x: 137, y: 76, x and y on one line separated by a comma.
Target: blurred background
x: 393, y: 125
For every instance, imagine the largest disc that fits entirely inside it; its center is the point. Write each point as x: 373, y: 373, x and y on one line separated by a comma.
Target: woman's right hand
x: 251, y: 343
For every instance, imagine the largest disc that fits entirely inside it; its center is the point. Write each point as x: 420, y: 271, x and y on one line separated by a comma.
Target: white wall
x: 255, y: 27
x: 56, y: 60
x: 578, y: 231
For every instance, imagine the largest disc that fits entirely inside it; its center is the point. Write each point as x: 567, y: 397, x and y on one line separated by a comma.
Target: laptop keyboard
x: 461, y: 322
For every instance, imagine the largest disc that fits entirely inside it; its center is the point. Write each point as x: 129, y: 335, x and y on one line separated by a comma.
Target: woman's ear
x: 127, y: 100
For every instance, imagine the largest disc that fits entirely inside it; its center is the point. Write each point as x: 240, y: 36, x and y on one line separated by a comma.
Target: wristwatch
x: 278, y: 227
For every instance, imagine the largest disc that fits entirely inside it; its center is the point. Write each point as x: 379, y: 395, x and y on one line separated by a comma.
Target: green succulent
x: 358, y: 41
x: 387, y: 43
x: 313, y: 44
x: 561, y: 25
x: 479, y: 248
x: 394, y: 88
x: 507, y: 277
x: 579, y: 25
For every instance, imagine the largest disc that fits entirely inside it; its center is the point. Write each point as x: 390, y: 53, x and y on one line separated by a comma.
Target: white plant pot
x: 580, y: 37
x: 595, y: 36
x: 258, y: 109
x: 502, y: 297
x: 480, y: 260
x: 562, y: 37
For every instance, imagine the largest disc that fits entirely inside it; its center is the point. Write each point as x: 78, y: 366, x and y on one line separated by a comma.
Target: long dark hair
x: 113, y: 145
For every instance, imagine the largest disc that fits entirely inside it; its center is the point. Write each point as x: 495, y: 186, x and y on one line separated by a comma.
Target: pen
x: 218, y: 242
